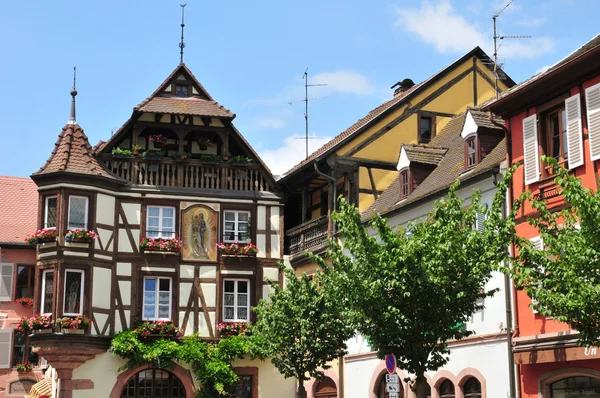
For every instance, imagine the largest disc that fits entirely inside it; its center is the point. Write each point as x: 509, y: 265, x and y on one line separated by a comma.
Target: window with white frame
x: 157, y: 298
x: 78, y: 212
x: 47, y: 291
x: 73, y: 299
x: 50, y: 205
x: 236, y: 226
x: 160, y: 222
x: 236, y: 300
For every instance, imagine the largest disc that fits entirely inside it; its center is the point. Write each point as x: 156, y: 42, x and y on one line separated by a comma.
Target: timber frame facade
x: 190, y: 176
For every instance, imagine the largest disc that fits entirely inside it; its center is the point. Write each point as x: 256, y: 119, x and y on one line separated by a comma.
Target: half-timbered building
x: 176, y: 180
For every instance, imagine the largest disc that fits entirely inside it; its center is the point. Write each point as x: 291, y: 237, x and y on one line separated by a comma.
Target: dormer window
x: 181, y: 90
x: 404, y: 184
x: 471, y: 144
x: 426, y: 129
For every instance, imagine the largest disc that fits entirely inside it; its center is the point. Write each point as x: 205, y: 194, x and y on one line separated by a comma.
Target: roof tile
x: 184, y: 106
x: 19, y: 210
x: 424, y: 153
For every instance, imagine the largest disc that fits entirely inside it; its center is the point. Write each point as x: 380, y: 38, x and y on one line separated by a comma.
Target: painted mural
x: 200, y: 229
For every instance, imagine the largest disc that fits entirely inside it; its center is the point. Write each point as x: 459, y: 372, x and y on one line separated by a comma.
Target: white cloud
x: 271, y: 123
x: 292, y: 152
x: 343, y: 82
x: 532, y: 22
x: 441, y: 26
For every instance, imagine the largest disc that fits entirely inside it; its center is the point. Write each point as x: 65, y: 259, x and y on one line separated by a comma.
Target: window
x: 244, y: 387
x: 47, y: 291
x: 236, y: 300
x: 471, y: 152
x: 425, y: 129
x: 472, y: 388
x: 22, y: 350
x: 25, y: 278
x: 50, y: 212
x: 236, y: 226
x: 78, y: 212
x: 160, y: 222
x: 447, y: 389
x: 154, y: 383
x: 157, y: 298
x: 181, y: 91
x: 576, y: 386
x: 555, y: 136
x: 404, y: 184
x: 73, y: 299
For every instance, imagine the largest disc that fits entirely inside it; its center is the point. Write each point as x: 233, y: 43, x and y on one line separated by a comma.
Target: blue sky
x: 250, y: 56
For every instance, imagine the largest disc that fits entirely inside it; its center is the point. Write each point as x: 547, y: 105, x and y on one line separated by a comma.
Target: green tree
x: 412, y: 292
x: 302, y: 327
x: 562, y: 274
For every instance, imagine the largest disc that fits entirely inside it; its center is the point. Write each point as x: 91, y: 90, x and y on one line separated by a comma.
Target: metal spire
x: 182, y: 44
x: 72, y: 119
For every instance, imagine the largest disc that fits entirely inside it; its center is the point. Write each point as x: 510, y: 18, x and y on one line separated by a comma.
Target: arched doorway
x: 472, y: 388
x: 153, y: 383
x: 326, y: 389
x: 576, y: 387
x: 381, y: 391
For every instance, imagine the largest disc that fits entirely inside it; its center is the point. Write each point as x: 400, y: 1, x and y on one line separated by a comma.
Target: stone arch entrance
x: 326, y: 388
x: 570, y: 382
x: 148, y: 382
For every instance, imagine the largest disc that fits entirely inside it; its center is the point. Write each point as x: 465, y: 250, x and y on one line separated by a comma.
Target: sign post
x: 392, y: 381
x: 390, y: 363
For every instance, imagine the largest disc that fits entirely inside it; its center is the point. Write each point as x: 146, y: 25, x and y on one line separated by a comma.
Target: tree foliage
x: 564, y: 278
x: 302, y: 327
x: 412, y: 291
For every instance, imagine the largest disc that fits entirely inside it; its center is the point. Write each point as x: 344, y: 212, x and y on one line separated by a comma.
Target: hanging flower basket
x: 159, y: 140
x: 41, y: 236
x: 237, y: 249
x: 172, y: 245
x: 80, y: 235
x: 25, y: 301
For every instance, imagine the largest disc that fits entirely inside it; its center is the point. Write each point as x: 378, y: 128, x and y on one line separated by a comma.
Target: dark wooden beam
x: 474, y: 80
x: 408, y: 112
x: 373, y: 186
x: 370, y: 163
x: 370, y: 191
x: 485, y: 76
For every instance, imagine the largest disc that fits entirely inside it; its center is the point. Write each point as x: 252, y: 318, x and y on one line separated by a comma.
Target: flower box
x: 41, y: 236
x: 237, y: 249
x: 42, y: 331
x: 73, y: 325
x: 72, y: 331
x: 164, y: 245
x: 37, y: 324
x: 228, y: 329
x: 25, y: 301
x: 155, y: 330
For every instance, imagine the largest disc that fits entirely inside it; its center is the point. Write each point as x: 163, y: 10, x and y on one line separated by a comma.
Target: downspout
x: 508, y: 286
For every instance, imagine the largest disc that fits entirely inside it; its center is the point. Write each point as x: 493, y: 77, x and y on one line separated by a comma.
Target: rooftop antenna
x: 305, y: 100
x: 182, y: 44
x: 496, y: 46
x: 72, y: 119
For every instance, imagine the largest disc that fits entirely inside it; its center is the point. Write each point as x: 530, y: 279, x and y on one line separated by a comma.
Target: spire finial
x: 182, y: 44
x: 72, y: 119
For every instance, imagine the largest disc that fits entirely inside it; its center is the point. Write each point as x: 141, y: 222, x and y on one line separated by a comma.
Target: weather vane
x: 182, y: 44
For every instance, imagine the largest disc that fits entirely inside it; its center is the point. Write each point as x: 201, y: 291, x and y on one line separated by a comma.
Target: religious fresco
x: 199, y: 232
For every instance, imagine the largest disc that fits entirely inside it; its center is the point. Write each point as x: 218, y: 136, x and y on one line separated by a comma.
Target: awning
x: 42, y: 387
x: 532, y: 355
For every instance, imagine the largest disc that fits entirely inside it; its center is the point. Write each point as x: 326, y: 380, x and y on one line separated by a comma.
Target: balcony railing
x: 308, y: 236
x: 192, y: 173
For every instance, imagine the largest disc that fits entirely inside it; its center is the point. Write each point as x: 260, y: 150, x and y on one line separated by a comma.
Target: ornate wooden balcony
x: 166, y: 172
x: 311, y: 235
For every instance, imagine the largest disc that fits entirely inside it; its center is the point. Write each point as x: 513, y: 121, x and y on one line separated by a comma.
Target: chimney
x: 402, y: 86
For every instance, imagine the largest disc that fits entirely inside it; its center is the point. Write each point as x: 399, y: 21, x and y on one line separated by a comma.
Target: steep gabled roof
x: 389, y: 106
x: 425, y: 154
x: 19, y: 210
x: 482, y: 119
x: 449, y: 169
x: 73, y: 154
x: 201, y: 105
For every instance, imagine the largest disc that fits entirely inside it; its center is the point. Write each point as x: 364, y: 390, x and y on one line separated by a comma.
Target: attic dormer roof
x: 424, y: 153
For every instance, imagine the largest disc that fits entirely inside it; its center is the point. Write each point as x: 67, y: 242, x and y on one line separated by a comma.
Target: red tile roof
x: 19, y: 210
x: 184, y: 106
x: 73, y: 154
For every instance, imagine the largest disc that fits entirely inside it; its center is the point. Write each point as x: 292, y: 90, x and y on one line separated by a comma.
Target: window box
x: 25, y: 301
x: 71, y: 331
x: 159, y: 329
x: 24, y: 367
x: 237, y: 250
x: 160, y: 245
x: 38, y: 324
x: 80, y: 236
x: 228, y: 329
x: 74, y: 325
x: 41, y: 236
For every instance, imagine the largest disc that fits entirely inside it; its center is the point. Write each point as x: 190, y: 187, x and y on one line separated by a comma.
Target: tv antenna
x: 496, y: 46
x: 305, y: 100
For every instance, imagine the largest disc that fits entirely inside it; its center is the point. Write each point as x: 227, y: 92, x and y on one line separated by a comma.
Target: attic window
x: 181, y: 90
x: 404, y: 184
x: 471, y: 146
x: 426, y: 127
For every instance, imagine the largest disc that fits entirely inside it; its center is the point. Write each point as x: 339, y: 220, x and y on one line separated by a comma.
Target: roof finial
x: 182, y: 44
x: 72, y: 119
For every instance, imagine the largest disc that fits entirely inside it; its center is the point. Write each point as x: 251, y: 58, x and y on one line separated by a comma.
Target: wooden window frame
x: 447, y: 395
x: 27, y: 347
x: 171, y: 298
x: 405, y: 179
x: 81, y: 292
x: 87, y: 211
x: 45, y: 219
x: 545, y: 139
x: 426, y: 115
x: 249, y: 371
x: 236, y: 221
x: 467, y: 394
x: 31, y: 272
x: 476, y: 153
x: 160, y: 217
x: 235, y: 305
x: 43, y: 289
x: 186, y: 85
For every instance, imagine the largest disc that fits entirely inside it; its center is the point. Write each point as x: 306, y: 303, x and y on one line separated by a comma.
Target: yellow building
x: 361, y: 162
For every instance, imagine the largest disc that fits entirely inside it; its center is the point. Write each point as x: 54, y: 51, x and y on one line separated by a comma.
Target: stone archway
x: 178, y: 382
x: 545, y: 382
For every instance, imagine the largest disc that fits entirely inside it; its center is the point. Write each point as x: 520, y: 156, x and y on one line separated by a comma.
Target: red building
x: 555, y: 113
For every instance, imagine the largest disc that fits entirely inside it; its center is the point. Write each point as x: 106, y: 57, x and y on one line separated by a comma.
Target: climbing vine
x: 211, y: 362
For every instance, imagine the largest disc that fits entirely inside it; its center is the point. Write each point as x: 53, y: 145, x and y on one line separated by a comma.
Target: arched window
x: 577, y: 386
x: 447, y: 389
x: 472, y: 388
x: 381, y: 391
x: 326, y: 389
x: 153, y: 383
